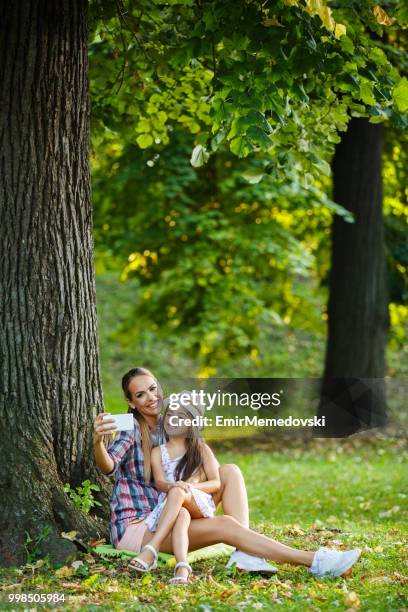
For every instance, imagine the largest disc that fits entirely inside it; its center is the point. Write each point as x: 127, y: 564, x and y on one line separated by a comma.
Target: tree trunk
x: 49, y: 370
x: 353, y: 388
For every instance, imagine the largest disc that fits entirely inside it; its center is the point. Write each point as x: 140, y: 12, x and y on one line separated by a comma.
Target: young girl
x: 186, y: 473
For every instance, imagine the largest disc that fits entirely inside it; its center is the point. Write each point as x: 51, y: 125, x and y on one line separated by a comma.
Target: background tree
x: 353, y: 386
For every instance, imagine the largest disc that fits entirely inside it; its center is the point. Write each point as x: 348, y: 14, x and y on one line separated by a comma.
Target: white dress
x: 203, y: 500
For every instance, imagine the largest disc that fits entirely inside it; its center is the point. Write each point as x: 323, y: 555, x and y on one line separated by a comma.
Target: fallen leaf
x: 211, y: 580
x: 76, y: 564
x: 400, y: 577
x: 365, y: 505
x: 71, y: 585
x: 379, y: 579
x: 229, y: 592
x: 64, y: 572
x: 332, y: 519
x: 94, y: 542
x: 263, y: 582
x: 390, y: 512
x: 69, y: 535
x: 100, y: 569
x: 352, y: 600
x: 295, y: 530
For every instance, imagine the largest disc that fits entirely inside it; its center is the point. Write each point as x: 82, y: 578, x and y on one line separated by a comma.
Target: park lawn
x: 343, y: 493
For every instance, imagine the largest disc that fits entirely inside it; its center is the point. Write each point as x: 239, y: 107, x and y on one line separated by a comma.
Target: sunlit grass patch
x: 307, y: 494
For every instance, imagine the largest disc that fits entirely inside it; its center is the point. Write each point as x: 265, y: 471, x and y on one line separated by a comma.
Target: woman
x: 134, y: 495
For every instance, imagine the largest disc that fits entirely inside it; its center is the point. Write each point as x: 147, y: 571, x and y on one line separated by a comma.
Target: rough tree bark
x: 49, y: 371
x: 353, y: 387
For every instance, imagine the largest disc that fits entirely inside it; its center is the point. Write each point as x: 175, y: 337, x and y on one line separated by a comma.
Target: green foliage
x: 395, y: 172
x: 213, y: 129
x: 219, y: 259
x: 293, y: 348
x: 296, y: 71
x: 214, y: 255
x: 32, y: 544
x: 82, y: 498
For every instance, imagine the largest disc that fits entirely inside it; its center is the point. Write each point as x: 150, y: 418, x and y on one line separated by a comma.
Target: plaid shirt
x: 132, y: 497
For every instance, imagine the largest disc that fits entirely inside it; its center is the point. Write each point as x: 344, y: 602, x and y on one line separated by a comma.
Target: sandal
x: 181, y: 579
x: 146, y: 567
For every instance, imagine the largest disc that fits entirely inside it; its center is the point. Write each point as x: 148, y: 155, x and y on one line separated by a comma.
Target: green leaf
x: 217, y: 139
x: 366, y: 93
x: 402, y: 14
x: 376, y: 119
x: 144, y: 141
x: 199, y: 156
x: 400, y: 95
x: 347, y: 44
x: 253, y: 175
x: 323, y: 166
x: 240, y: 146
x: 258, y: 136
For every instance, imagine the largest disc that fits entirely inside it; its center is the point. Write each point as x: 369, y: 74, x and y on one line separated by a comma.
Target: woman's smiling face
x: 144, y: 395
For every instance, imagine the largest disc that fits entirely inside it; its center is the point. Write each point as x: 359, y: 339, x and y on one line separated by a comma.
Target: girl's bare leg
x: 233, y: 494
x: 174, y: 501
x: 179, y: 538
x: 204, y: 532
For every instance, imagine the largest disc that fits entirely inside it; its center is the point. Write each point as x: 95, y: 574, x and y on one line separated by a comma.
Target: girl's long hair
x: 192, y: 460
x: 144, y: 428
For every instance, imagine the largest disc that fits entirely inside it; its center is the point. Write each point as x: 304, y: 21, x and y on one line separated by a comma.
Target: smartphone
x: 123, y: 422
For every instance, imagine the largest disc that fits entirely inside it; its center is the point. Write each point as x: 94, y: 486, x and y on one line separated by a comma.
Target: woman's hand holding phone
x: 103, y: 427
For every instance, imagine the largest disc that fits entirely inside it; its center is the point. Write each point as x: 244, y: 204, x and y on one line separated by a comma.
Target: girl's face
x: 144, y: 395
x: 174, y: 423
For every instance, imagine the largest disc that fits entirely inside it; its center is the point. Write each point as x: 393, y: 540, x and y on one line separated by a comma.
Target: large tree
x: 49, y: 378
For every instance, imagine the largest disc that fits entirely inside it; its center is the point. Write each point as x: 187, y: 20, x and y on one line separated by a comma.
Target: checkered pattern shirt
x: 132, y: 497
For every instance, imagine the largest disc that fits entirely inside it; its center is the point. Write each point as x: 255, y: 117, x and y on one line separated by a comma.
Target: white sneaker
x: 250, y: 563
x: 327, y: 562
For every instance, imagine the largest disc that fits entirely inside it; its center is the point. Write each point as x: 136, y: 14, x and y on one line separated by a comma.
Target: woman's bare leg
x: 233, y: 494
x: 204, y: 532
x: 179, y: 538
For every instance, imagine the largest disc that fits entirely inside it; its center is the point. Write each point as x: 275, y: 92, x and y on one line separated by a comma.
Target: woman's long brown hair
x: 144, y: 428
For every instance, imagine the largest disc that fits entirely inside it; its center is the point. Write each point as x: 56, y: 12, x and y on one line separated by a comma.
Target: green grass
x: 306, y: 493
